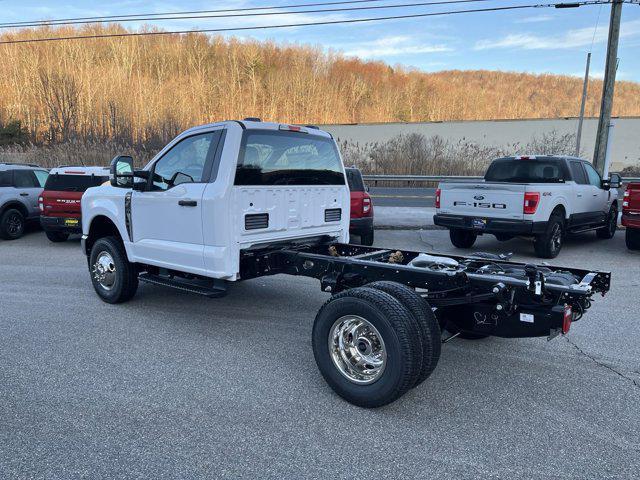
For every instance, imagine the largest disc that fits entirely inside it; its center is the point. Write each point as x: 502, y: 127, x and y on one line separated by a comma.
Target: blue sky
x: 542, y: 40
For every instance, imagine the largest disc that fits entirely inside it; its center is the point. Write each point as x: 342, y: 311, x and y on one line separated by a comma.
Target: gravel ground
x: 172, y: 385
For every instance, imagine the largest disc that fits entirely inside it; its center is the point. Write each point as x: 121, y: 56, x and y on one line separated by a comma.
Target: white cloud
x: 393, y: 46
x: 536, y: 19
x: 571, y: 39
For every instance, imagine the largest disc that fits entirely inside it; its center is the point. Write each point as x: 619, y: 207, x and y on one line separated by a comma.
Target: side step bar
x: 209, y: 288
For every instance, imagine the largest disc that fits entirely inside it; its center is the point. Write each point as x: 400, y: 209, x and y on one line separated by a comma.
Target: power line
x: 259, y: 14
x: 190, y: 12
x: 308, y: 24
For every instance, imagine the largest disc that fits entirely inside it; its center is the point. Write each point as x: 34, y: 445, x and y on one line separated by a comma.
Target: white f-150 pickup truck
x: 238, y: 200
x: 543, y: 197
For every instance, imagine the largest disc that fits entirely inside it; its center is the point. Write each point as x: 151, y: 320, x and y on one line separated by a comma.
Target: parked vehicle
x: 236, y: 200
x: 20, y: 186
x: 361, y: 207
x: 60, y: 201
x: 631, y: 215
x: 543, y: 197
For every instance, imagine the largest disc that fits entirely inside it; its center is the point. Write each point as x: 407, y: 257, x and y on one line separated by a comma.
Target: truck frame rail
x: 481, y: 294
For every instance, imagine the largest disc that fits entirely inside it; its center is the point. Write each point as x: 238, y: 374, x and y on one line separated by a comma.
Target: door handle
x: 24, y: 194
x: 579, y: 195
x: 188, y: 203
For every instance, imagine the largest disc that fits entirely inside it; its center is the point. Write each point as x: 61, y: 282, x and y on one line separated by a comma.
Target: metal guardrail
x: 439, y: 178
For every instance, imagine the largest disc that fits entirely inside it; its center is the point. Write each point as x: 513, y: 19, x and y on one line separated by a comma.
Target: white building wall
x: 625, y: 149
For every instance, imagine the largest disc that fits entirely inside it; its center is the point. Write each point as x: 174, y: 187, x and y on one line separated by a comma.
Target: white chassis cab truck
x: 543, y: 197
x: 237, y: 200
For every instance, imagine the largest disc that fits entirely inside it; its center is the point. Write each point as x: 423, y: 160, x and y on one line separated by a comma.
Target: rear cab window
x: 73, y: 182
x: 514, y: 170
x: 270, y: 157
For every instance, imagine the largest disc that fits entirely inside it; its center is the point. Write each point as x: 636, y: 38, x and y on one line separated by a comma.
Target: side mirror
x: 615, y: 181
x: 121, y: 173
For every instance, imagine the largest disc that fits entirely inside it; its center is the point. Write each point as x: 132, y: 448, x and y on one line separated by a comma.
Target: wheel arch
x: 559, y: 209
x: 17, y: 205
x: 99, y: 227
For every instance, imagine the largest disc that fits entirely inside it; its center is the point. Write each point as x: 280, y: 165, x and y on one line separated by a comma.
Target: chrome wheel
x: 357, y: 349
x: 104, y: 270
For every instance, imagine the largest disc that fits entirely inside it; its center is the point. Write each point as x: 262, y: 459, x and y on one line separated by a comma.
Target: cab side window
x: 577, y: 172
x: 184, y: 163
x: 594, y: 177
x: 24, y: 179
x: 6, y: 178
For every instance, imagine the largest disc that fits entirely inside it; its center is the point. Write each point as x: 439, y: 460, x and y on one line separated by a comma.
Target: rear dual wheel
x: 369, y: 345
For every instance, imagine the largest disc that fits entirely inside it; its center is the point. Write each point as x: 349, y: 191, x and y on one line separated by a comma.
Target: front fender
x: 106, y: 201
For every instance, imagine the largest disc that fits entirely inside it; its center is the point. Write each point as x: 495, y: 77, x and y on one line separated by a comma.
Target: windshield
x: 288, y: 158
x: 73, y: 183
x: 525, y: 171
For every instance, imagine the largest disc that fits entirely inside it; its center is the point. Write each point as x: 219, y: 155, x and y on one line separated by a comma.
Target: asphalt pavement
x: 172, y: 385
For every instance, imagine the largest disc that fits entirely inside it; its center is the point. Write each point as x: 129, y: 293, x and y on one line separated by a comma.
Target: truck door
x: 166, y: 219
x: 598, y: 197
x: 581, y: 195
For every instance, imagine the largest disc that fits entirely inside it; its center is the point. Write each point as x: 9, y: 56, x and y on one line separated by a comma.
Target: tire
x: 549, y: 244
x: 431, y: 336
x: 612, y: 224
x: 392, y: 323
x: 57, y: 237
x: 462, y: 238
x: 632, y: 238
x: 367, y: 239
x: 503, y: 237
x: 12, y: 223
x: 447, y: 323
x: 114, y: 279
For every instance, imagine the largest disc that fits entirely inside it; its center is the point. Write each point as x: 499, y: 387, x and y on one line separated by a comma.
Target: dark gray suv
x: 20, y: 187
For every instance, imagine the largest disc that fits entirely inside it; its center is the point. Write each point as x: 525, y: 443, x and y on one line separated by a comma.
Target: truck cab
x: 219, y: 189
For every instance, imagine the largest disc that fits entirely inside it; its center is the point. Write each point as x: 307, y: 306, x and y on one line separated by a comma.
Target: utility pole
x: 582, y: 104
x: 608, y: 87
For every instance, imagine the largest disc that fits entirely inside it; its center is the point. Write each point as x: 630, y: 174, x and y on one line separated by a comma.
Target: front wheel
x: 632, y: 238
x: 462, y: 238
x: 114, y: 278
x: 549, y: 243
x: 612, y: 224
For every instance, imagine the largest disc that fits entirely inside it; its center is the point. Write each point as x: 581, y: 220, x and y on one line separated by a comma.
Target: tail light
x: 566, y: 321
x: 366, y: 205
x: 41, y: 203
x: 625, y: 200
x: 531, y: 201
x: 438, y: 197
